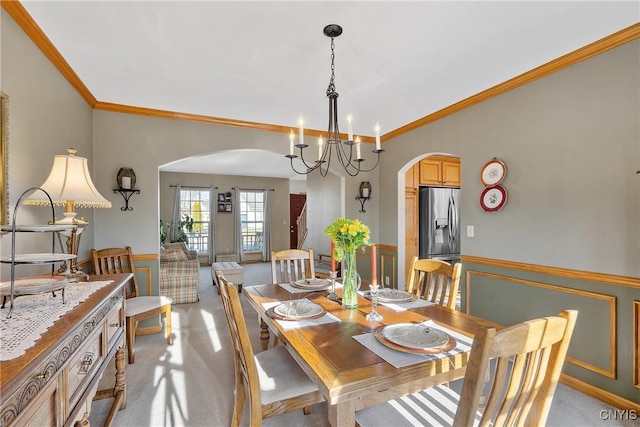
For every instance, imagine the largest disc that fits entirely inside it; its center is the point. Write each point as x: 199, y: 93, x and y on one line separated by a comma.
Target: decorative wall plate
x: 493, y: 198
x: 493, y: 172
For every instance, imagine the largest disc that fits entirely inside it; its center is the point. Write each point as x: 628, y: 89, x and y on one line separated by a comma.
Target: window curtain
x: 213, y: 204
x: 174, y: 226
x: 266, y: 244
x: 237, y: 226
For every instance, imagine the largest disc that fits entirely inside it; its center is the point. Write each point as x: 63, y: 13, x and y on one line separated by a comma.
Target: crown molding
x: 28, y: 25
x: 35, y: 33
x: 614, y: 40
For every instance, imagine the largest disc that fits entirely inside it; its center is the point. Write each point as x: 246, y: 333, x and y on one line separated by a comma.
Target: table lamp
x: 69, y: 184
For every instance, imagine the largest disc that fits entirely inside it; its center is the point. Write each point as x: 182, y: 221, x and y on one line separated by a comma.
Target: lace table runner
x: 34, y: 314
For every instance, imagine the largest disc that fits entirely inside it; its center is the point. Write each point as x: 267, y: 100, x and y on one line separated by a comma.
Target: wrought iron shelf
x: 126, y: 194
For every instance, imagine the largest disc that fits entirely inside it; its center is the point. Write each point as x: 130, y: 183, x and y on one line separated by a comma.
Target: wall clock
x: 493, y: 198
x: 493, y: 172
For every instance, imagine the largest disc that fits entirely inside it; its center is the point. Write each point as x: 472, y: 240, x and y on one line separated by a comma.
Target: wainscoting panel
x: 636, y: 344
x: 604, y: 354
x: 543, y: 299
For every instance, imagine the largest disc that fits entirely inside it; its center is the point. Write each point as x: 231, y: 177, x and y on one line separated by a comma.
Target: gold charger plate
x: 447, y: 346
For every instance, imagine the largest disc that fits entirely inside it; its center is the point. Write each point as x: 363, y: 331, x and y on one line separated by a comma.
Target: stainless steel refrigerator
x: 439, y: 229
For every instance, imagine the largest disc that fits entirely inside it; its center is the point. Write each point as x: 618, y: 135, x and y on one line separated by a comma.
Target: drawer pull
x: 114, y: 325
x: 86, y: 364
x: 44, y: 376
x: 91, y: 324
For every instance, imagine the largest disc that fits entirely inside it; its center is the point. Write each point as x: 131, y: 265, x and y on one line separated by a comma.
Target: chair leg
x: 131, y: 338
x: 306, y: 410
x: 167, y: 325
x: 238, y: 404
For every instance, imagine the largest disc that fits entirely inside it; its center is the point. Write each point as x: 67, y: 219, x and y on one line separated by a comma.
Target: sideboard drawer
x: 83, y: 364
x: 114, y: 324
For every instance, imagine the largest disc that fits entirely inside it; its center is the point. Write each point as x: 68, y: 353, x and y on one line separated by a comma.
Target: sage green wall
x: 224, y: 222
x: 571, y: 143
x: 46, y: 116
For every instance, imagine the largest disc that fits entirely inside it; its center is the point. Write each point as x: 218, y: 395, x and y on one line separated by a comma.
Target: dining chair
x: 137, y: 308
x: 436, y: 281
x: 290, y: 265
x: 520, y: 365
x: 272, y: 379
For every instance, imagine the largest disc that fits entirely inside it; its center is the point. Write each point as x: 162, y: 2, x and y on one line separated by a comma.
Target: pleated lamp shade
x: 69, y: 182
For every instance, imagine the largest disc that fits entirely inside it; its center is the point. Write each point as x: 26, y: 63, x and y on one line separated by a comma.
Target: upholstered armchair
x: 179, y: 273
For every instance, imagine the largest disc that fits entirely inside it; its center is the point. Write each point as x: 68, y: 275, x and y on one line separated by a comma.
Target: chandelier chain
x: 332, y: 84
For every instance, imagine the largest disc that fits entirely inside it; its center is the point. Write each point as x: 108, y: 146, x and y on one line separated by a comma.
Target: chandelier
x: 350, y: 159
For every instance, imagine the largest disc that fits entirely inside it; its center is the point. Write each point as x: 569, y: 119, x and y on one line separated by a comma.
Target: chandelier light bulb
x: 350, y: 127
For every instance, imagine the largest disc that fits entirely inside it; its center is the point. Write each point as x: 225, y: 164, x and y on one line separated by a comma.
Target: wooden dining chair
x: 290, y: 265
x: 137, y: 308
x: 271, y: 379
x: 521, y: 365
x: 436, y: 281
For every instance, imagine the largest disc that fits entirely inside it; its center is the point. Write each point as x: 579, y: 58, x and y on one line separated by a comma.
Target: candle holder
x: 374, y: 316
x: 333, y: 296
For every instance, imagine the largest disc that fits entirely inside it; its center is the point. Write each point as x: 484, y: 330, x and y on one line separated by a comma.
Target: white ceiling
x: 268, y: 61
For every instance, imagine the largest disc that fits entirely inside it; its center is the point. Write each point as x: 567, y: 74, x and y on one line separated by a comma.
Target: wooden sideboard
x: 55, y: 381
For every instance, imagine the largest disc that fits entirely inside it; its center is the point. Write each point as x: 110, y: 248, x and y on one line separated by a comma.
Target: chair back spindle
x: 290, y: 265
x: 436, y: 281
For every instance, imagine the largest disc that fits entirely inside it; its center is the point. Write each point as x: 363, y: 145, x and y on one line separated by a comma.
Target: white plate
x: 41, y: 257
x: 415, y: 336
x: 394, y: 295
x: 313, y: 282
x: 303, y: 309
x: 38, y: 228
x: 33, y: 285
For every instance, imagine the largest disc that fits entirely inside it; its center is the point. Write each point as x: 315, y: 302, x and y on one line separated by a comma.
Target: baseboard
x: 598, y: 393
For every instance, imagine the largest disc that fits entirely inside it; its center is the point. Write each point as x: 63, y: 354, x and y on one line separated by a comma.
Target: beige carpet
x: 190, y: 383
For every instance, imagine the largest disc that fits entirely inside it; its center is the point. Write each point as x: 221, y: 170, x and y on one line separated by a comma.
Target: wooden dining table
x: 349, y: 375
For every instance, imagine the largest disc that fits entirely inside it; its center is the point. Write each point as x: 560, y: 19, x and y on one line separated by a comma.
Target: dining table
x: 350, y: 359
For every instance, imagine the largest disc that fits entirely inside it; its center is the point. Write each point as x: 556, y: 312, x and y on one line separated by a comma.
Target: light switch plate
x: 470, y: 230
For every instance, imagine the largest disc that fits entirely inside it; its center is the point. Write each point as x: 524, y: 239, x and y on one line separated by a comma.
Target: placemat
x: 34, y: 314
x: 400, y: 306
x: 293, y: 290
x: 400, y: 359
x: 295, y: 324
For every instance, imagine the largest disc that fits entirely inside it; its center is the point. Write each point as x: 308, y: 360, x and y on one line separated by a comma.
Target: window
x: 252, y: 219
x: 194, y: 202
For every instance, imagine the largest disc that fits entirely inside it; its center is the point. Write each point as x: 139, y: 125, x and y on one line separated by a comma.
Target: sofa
x: 179, y: 273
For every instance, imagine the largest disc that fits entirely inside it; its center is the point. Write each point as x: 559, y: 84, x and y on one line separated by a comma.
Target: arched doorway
x: 426, y: 170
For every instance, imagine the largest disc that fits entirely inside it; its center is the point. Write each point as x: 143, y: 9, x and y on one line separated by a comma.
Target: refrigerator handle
x: 452, y: 221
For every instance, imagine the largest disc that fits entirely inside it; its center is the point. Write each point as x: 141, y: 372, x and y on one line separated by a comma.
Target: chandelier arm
x: 377, y: 152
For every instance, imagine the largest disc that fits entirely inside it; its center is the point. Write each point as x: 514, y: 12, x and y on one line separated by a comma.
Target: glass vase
x: 350, y: 281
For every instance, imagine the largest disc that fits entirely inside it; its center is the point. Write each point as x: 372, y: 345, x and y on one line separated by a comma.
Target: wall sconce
x: 126, y: 179
x: 365, y: 194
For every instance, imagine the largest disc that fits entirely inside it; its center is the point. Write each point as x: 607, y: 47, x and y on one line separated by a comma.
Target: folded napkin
x: 295, y: 324
x: 400, y: 359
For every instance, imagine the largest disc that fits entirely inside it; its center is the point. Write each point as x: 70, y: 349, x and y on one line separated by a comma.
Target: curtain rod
x: 191, y: 186
x: 252, y: 189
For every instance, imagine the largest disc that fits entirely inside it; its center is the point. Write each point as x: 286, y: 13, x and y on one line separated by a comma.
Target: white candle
x: 320, y: 148
x: 358, y: 153
x: 350, y: 128
x: 365, y: 193
x: 377, y: 128
x: 126, y: 182
x: 301, y: 126
x: 292, y: 137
